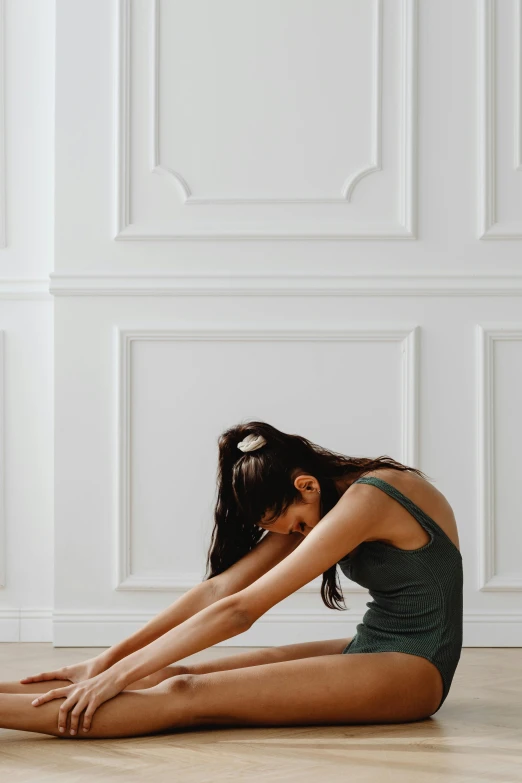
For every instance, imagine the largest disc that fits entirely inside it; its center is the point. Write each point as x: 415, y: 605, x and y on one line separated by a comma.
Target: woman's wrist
x: 121, y: 674
x: 107, y: 659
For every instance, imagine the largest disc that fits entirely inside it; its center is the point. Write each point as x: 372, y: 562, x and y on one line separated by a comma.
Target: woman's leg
x: 388, y: 687
x: 329, y: 689
x: 287, y: 652
x: 129, y: 714
x: 49, y: 685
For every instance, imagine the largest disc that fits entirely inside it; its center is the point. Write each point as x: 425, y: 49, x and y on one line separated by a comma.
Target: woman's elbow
x: 242, y: 616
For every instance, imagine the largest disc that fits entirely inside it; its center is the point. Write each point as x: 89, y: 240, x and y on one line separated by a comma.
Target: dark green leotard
x: 417, y: 594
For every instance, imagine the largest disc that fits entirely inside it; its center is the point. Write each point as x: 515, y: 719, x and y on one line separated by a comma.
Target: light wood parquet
x: 476, y: 737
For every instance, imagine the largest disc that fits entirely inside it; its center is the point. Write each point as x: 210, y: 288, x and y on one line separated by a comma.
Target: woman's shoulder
x: 399, y: 478
x: 418, y: 489
x: 424, y: 494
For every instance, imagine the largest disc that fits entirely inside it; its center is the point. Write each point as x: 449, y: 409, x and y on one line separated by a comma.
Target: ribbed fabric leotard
x: 417, y: 594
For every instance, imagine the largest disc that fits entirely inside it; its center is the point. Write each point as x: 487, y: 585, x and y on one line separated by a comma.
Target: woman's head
x: 303, y: 514
x: 270, y: 480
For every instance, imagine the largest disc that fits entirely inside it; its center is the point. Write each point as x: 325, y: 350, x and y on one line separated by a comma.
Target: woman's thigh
x: 383, y: 687
x: 286, y: 652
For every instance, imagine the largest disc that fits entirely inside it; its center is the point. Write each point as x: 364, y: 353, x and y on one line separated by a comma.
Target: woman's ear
x: 306, y: 483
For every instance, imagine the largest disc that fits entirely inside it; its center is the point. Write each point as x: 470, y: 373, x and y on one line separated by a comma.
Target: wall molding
x: 91, y: 628
x: 489, y: 226
x: 20, y: 288
x: 94, y: 628
x: 26, y: 625
x: 163, y: 284
x: 406, y: 336
x: 3, y: 169
x: 486, y: 336
x: 518, y: 85
x: 3, y: 522
x: 405, y: 229
x: 189, y: 198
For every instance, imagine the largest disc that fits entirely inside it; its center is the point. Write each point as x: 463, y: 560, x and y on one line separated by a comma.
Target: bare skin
x: 307, y: 684
x: 338, y: 689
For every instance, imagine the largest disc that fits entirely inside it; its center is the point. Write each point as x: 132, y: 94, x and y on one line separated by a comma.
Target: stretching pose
x: 287, y: 511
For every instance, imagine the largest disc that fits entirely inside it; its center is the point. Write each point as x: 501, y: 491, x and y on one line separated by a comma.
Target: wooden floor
x: 476, y: 736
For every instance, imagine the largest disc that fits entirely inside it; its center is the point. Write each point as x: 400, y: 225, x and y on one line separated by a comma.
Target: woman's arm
x: 209, y: 626
x: 190, y: 603
x: 265, y: 555
x: 350, y: 522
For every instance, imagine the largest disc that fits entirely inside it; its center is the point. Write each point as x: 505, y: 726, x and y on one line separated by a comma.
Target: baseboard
x: 26, y: 625
x: 103, y: 629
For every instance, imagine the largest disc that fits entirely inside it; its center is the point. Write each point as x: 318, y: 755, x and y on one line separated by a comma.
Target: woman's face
x: 299, y: 517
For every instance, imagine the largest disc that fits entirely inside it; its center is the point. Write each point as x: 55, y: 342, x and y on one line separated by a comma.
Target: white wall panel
x: 26, y: 319
x: 499, y: 380
x: 231, y: 167
x: 263, y: 118
x: 137, y: 483
x: 500, y: 62
x: 167, y: 422
x: 3, y: 533
x: 2, y: 128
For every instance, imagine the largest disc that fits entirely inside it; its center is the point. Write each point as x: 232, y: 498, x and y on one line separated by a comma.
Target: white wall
x: 26, y: 319
x: 297, y: 211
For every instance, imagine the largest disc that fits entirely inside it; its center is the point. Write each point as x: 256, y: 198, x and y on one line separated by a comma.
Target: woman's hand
x: 75, y: 673
x: 86, y: 695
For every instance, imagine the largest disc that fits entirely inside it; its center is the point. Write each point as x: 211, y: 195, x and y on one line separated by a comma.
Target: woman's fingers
x: 75, y: 715
x: 44, y: 697
x: 33, y: 678
x: 71, y: 699
x: 65, y: 706
x: 87, y: 718
x: 76, y: 701
x: 56, y: 693
x: 57, y: 675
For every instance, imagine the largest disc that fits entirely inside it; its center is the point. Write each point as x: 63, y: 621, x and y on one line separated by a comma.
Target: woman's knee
x: 181, y: 684
x: 178, y: 698
x: 156, y: 677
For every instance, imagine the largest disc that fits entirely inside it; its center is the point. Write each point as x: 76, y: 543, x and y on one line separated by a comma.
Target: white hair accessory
x: 251, y: 443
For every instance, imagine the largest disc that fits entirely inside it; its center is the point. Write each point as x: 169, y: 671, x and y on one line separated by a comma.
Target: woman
x: 287, y: 511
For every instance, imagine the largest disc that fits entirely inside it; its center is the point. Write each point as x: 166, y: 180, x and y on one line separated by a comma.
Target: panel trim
x: 87, y: 628
x: 518, y: 86
x: 125, y: 230
x: 26, y: 624
x: 3, y: 184
x: 350, y: 182
x: 163, y: 284
x: 486, y: 336
x: 489, y: 227
x: 91, y: 627
x: 3, y: 523
x: 19, y: 288
x: 407, y: 336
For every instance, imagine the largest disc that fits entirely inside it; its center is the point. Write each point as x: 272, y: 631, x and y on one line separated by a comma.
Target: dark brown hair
x: 252, y: 483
